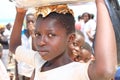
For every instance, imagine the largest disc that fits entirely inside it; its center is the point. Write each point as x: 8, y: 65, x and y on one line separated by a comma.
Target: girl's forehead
x: 86, y: 52
x: 49, y: 24
x: 79, y: 39
x: 47, y: 21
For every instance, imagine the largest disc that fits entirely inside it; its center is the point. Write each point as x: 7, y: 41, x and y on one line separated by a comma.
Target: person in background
x: 86, y: 53
x: 7, y: 33
x: 89, y: 28
x: 75, y: 46
x: 79, y: 24
x: 5, y: 44
x: 91, y: 31
x: 53, y: 32
x: 25, y: 70
x: 3, y: 72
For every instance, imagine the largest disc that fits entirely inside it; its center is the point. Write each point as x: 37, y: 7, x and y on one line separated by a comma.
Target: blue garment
x: 23, y: 31
x: 117, y: 75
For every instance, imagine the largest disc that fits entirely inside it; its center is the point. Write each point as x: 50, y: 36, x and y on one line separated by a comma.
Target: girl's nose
x: 42, y: 41
x: 77, y: 49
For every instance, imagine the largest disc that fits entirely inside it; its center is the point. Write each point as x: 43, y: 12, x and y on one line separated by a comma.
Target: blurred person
x: 92, y: 30
x: 86, y: 53
x: 86, y: 17
x: 5, y: 44
x: 7, y: 33
x: 75, y: 46
x: 3, y: 72
x: 79, y: 24
x: 89, y: 28
x: 25, y: 70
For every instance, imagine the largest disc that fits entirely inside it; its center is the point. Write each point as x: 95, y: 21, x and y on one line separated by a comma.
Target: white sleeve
x: 28, y: 56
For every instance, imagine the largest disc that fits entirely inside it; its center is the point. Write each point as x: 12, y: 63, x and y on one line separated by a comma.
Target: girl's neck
x: 57, y: 62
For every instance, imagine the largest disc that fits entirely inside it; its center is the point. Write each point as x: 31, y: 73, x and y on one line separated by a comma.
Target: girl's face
x: 86, y: 17
x: 51, y: 38
x: 30, y: 19
x: 77, y: 43
x: 85, y: 55
x: 75, y: 47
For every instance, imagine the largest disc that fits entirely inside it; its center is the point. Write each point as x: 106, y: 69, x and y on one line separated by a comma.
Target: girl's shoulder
x: 70, y: 71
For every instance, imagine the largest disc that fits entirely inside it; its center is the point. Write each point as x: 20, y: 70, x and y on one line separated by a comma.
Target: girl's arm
x: 15, y: 39
x: 105, y: 46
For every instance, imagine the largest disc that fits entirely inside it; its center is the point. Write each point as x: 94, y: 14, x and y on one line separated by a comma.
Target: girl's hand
x: 98, y: 1
x: 21, y: 10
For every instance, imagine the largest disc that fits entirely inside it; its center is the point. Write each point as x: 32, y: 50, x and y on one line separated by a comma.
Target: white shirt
x: 3, y: 73
x: 71, y: 71
x: 90, y: 25
x: 7, y: 33
x: 23, y: 68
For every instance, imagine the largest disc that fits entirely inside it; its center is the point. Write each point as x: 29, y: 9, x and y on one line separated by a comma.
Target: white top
x: 3, y: 73
x: 90, y: 25
x: 7, y: 33
x: 26, y: 42
x: 71, y: 71
x: 23, y: 68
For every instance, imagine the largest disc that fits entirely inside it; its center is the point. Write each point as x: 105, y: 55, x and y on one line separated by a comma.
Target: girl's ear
x: 71, y: 37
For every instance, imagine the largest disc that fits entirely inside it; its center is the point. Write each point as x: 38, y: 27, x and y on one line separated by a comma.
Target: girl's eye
x: 37, y: 34
x: 75, y: 44
x: 81, y: 47
x: 51, y: 35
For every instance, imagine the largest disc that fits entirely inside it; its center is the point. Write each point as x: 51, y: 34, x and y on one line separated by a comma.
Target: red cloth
x: 77, y: 26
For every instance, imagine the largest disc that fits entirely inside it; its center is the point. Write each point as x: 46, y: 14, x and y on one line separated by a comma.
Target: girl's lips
x: 43, y: 52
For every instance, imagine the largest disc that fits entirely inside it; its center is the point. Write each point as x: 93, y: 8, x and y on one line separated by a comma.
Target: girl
x: 75, y: 46
x: 3, y: 72
x: 53, y: 33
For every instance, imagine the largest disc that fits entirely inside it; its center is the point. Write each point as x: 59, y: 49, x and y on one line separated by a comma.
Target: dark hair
x: 79, y: 17
x: 87, y: 47
x: 79, y: 33
x: 29, y: 14
x: 92, y: 16
x: 87, y: 14
x: 66, y: 20
x: 8, y: 24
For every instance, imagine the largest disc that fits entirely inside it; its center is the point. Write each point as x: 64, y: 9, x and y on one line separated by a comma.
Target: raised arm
x: 15, y: 39
x: 105, y: 46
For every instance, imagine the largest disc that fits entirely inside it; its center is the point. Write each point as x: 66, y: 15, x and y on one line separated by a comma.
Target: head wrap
x: 45, y: 10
